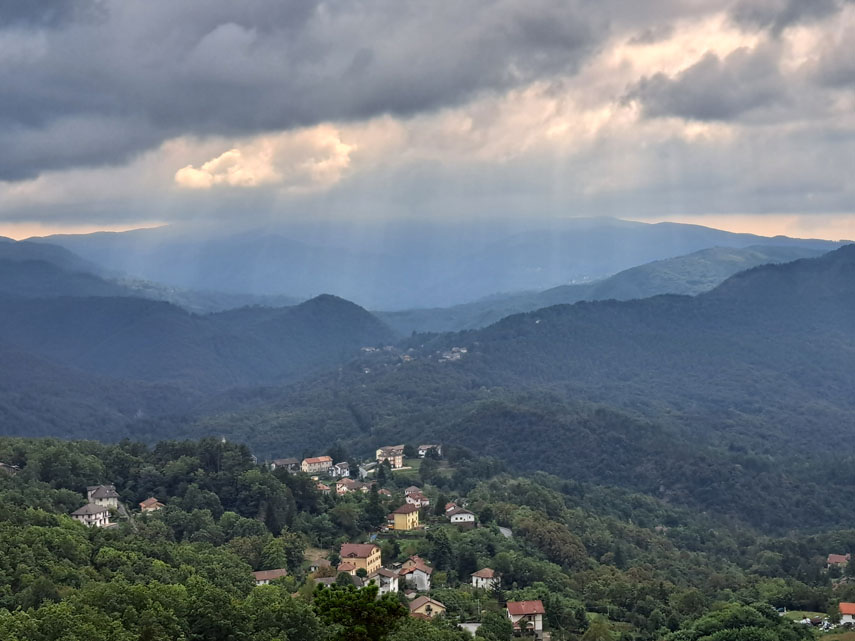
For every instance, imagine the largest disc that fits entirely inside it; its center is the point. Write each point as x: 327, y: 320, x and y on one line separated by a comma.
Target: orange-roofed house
x: 527, y: 617
x: 838, y: 560
x: 485, y: 578
x: 316, y: 465
x: 361, y: 555
x: 847, y: 613
x: 423, y: 607
x: 150, y: 505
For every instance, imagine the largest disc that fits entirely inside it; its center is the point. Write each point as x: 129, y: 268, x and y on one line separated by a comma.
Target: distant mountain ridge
x: 405, y: 265
x: 692, y: 274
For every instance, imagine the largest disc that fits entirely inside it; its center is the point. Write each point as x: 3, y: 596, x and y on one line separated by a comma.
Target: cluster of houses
x: 413, y: 577
x: 316, y: 465
x: 101, y: 502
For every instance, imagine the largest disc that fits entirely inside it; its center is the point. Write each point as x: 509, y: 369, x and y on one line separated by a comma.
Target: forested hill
x: 693, y: 273
x: 735, y: 400
x: 134, y: 338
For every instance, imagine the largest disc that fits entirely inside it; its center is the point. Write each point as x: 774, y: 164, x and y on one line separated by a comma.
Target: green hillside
x: 691, y: 274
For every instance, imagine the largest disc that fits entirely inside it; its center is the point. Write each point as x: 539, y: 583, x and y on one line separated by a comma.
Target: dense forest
x: 605, y: 563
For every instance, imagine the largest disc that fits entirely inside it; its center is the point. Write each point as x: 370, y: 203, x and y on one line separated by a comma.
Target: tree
x: 410, y: 451
x: 599, y: 630
x: 495, y: 627
x: 358, y: 615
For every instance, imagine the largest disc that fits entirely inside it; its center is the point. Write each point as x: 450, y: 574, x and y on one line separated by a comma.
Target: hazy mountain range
x: 652, y: 392
x: 400, y: 266
x: 692, y: 274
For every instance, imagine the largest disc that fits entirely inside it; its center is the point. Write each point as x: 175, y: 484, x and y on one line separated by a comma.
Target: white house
x: 92, y: 515
x: 386, y: 580
x: 847, y: 613
x: 340, y: 470
x: 103, y: 495
x: 424, y: 449
x: 527, y: 617
x: 418, y: 499
x: 416, y: 573
x: 485, y: 578
x: 460, y: 516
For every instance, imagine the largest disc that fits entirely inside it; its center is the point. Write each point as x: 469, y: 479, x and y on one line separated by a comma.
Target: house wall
x: 419, y: 580
x: 407, y: 521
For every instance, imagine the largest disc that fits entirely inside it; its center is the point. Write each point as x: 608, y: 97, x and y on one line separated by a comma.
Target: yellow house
x: 425, y: 607
x: 392, y: 453
x: 404, y: 518
x: 361, y: 555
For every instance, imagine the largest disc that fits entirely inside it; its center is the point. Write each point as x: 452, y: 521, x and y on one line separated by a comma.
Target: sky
x: 738, y: 114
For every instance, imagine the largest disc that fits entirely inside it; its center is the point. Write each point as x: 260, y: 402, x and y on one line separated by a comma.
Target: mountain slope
x: 155, y: 341
x: 738, y: 400
x: 691, y: 274
x: 402, y: 265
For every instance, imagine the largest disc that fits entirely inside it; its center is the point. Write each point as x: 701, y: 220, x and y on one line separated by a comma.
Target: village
x: 415, y: 513
x: 360, y: 563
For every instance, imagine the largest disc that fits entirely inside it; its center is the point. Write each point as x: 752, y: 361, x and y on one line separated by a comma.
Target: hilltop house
x: 838, y: 560
x: 290, y: 464
x: 486, y: 579
x: 349, y: 485
x: 451, y: 505
x: 416, y: 573
x: 319, y: 564
x: 10, y: 470
x: 424, y: 449
x: 341, y: 470
x: 403, y: 519
x: 264, y: 577
x: 347, y: 567
x: 425, y: 607
x: 92, y: 515
x: 151, y: 505
x: 361, y: 555
x: 316, y: 465
x: 418, y: 499
x: 392, y: 453
x: 527, y: 617
x: 103, y: 495
x: 323, y: 488
x: 847, y: 612
x: 461, y: 516
x: 386, y: 580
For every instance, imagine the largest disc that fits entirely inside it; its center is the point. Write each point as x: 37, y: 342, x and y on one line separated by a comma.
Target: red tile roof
x: 346, y: 567
x: 485, y: 573
x: 847, y: 608
x: 357, y: 550
x: 317, y: 459
x: 834, y: 559
x: 406, y: 508
x: 519, y: 608
x: 150, y: 502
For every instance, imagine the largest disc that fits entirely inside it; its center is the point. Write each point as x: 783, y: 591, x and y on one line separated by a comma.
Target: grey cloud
x: 45, y: 13
x: 777, y: 15
x: 229, y: 68
x: 714, y: 88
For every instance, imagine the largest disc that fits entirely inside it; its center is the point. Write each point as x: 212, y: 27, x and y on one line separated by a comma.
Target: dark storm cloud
x: 45, y: 13
x: 714, y: 88
x: 777, y: 15
x: 156, y: 69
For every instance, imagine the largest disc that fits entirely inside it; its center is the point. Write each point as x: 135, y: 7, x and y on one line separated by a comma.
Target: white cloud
x: 301, y: 161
